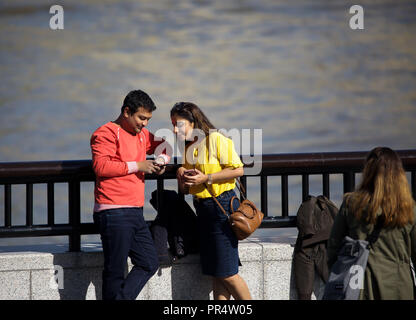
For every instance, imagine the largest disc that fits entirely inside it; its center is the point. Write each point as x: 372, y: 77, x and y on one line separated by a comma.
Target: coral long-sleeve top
x: 115, y: 153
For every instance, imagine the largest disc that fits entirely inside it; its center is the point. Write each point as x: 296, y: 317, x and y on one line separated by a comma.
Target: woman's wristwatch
x: 209, y: 179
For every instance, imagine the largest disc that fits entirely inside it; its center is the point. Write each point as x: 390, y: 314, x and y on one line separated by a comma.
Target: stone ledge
x: 29, y: 260
x: 41, y: 261
x: 266, y: 267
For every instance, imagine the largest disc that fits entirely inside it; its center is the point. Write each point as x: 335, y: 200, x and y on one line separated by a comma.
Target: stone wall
x: 266, y: 267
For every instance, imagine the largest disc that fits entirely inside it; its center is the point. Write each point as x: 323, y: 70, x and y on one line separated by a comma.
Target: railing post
x: 8, y: 205
x: 51, y: 204
x: 285, y: 196
x: 159, y: 194
x: 305, y: 186
x: 29, y: 204
x: 263, y: 195
x: 74, y: 205
x: 349, y: 181
x: 325, y: 184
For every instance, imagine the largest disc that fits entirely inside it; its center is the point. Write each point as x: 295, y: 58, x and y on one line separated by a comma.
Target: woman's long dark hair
x: 384, y: 186
x: 193, y: 114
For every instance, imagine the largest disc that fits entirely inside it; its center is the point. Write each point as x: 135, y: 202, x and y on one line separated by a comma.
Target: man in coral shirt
x: 119, y: 151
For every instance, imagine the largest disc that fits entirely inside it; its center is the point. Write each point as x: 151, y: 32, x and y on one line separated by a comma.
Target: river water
x: 294, y: 69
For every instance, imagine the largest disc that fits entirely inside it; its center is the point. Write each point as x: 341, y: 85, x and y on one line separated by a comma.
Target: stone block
x: 277, y: 251
x: 15, y: 285
x: 25, y: 261
x: 188, y: 283
x: 71, y: 284
x: 144, y: 294
x: 250, y: 251
x: 277, y: 280
x: 252, y: 273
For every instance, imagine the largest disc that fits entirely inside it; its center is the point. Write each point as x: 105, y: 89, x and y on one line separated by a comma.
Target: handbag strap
x: 239, y: 186
x: 219, y: 204
x: 372, y: 238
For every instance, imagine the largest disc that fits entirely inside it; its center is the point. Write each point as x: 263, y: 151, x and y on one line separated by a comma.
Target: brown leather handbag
x: 246, y: 218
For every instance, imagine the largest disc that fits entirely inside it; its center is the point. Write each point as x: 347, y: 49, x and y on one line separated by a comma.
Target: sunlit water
x: 291, y: 68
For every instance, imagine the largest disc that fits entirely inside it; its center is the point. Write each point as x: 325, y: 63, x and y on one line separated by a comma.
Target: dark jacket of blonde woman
x: 388, y: 275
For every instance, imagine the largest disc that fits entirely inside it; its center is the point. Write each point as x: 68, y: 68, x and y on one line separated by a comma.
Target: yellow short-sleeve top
x: 221, y: 155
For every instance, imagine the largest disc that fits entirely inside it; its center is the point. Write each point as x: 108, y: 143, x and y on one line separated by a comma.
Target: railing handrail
x: 327, y: 161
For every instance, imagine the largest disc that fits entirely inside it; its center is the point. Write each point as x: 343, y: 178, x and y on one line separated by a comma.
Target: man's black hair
x: 136, y: 99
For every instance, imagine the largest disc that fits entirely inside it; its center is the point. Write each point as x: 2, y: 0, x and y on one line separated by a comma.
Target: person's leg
x: 220, y: 292
x: 116, y: 238
x: 144, y: 258
x: 219, y: 249
x: 237, y: 287
x: 234, y: 284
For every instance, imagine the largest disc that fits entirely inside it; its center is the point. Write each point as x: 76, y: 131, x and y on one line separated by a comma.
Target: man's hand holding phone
x: 151, y: 166
x: 161, y: 163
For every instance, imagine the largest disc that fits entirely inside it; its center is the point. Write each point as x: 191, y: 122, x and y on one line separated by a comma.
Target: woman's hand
x: 181, y: 180
x: 196, y: 178
x: 180, y: 175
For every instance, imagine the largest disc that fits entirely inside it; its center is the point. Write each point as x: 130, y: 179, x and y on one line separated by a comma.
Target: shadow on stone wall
x: 80, y: 281
x: 79, y: 277
x: 188, y: 283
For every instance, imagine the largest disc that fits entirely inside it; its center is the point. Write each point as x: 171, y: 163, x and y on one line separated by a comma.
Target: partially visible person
x: 211, y: 171
x: 119, y: 151
x: 383, y: 193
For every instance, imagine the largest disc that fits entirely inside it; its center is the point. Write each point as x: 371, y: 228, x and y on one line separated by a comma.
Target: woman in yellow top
x: 211, y: 162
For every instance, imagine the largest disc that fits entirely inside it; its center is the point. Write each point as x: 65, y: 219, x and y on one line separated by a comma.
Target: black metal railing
x: 75, y: 172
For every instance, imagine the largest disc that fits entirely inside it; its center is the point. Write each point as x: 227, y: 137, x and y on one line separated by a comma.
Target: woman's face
x: 182, y: 127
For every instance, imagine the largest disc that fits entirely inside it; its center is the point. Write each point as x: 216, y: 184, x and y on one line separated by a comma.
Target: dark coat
x: 175, y: 225
x: 388, y: 274
x: 314, y: 222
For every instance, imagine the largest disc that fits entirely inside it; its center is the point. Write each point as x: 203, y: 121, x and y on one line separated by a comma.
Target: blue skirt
x: 218, y: 244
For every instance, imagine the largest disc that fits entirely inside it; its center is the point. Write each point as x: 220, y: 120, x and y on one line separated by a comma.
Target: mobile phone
x: 191, y: 172
x: 161, y: 165
x: 161, y: 161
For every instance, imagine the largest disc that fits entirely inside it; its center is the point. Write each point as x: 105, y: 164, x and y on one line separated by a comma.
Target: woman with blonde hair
x: 384, y: 194
x: 210, y: 168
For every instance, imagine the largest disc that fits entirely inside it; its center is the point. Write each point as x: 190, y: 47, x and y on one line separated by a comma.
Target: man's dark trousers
x: 124, y: 233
